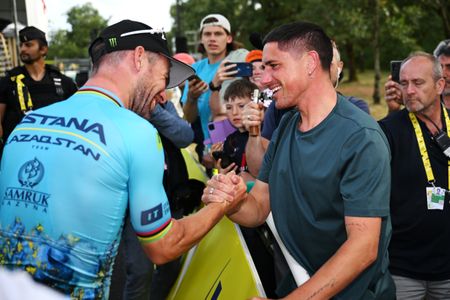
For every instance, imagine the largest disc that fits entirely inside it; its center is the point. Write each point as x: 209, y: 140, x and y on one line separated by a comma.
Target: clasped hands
x: 229, y: 189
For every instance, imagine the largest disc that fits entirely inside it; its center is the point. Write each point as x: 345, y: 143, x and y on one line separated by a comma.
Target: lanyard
x: 22, y: 93
x: 423, y: 148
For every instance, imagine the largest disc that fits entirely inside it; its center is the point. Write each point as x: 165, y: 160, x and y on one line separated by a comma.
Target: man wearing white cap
x: 216, y: 42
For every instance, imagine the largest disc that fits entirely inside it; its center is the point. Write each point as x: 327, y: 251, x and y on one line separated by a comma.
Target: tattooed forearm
x: 329, y: 284
x: 358, y: 226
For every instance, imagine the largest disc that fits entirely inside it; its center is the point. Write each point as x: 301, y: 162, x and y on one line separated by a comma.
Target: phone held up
x: 243, y: 69
x: 395, y: 70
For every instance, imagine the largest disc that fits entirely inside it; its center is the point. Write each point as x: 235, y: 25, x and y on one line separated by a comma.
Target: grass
x: 364, y: 89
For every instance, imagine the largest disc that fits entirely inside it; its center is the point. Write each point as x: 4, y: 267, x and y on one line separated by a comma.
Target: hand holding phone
x: 243, y: 69
x: 395, y: 70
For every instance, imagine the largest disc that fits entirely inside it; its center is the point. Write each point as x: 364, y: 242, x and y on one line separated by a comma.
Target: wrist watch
x: 214, y: 88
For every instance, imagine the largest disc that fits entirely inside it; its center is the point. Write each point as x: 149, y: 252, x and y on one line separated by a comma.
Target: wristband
x: 214, y: 88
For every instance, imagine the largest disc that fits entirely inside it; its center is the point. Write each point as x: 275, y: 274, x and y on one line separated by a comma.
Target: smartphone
x: 395, y: 70
x: 243, y: 69
x: 218, y: 131
x: 194, y: 77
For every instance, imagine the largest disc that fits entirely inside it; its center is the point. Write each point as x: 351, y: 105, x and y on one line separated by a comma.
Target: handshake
x: 229, y: 189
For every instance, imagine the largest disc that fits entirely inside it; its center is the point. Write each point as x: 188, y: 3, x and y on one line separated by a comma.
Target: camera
x: 226, y: 159
x: 443, y: 142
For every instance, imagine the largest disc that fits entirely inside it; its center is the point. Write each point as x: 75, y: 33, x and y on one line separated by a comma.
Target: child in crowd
x: 231, y: 154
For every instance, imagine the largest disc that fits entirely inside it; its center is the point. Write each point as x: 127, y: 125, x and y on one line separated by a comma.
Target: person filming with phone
x: 418, y: 136
x: 393, y: 94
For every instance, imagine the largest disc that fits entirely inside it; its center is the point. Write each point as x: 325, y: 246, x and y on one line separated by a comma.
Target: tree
x: 86, y: 23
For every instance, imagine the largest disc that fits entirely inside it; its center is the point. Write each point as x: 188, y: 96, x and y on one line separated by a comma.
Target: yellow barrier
x: 220, y: 267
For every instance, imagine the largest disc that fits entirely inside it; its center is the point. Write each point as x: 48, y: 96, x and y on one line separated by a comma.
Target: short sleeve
x: 148, y: 204
x: 365, y: 184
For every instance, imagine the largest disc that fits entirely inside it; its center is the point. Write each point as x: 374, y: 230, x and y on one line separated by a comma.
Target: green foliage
x: 405, y: 25
x: 86, y: 23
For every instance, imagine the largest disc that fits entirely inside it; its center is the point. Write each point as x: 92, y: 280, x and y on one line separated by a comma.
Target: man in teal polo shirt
x: 328, y: 170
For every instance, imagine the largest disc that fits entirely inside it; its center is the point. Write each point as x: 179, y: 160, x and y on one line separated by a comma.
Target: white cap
x: 219, y: 21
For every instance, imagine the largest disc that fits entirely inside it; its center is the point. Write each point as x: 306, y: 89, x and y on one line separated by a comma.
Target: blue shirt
x: 206, y: 72
x: 68, y: 174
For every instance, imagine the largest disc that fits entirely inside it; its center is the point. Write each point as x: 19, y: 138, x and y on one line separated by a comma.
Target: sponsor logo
x: 45, y: 140
x: 113, y: 42
x: 30, y: 175
x: 152, y: 215
x: 74, y: 123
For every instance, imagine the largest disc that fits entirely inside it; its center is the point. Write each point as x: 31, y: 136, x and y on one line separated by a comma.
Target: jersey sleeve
x: 148, y: 204
x: 365, y: 184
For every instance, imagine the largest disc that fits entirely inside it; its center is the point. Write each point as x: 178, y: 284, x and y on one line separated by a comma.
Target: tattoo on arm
x: 329, y: 284
x: 358, y: 226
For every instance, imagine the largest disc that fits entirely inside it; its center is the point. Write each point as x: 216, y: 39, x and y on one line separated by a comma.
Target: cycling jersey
x: 68, y: 174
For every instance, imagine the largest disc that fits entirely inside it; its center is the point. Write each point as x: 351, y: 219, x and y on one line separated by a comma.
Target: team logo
x: 113, y: 42
x: 31, y: 173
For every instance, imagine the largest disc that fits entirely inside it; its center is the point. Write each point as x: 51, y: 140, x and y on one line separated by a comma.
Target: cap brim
x: 179, y: 72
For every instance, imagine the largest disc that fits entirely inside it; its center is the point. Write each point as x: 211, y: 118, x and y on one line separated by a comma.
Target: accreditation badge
x: 435, y: 198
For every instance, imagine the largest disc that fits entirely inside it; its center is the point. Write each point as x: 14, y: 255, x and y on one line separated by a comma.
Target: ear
x: 229, y: 38
x: 440, y: 85
x: 138, y: 56
x: 313, y: 61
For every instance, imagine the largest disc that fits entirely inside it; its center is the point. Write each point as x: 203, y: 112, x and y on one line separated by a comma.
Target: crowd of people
x: 361, y: 205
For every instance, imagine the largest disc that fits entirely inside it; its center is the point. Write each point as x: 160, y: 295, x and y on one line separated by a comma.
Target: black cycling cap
x: 127, y: 35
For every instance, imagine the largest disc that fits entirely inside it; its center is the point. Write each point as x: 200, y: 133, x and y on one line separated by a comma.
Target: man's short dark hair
x: 303, y: 36
x: 241, y: 88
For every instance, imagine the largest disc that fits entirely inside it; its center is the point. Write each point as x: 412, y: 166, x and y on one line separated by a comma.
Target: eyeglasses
x: 442, y: 48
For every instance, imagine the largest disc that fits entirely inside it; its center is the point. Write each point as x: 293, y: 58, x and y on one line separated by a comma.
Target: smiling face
x: 258, y: 69
x: 234, y: 107
x: 150, y: 87
x: 285, y: 73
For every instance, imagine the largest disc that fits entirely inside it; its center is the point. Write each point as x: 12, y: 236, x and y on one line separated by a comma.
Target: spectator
x: 232, y: 151
x: 255, y: 58
x: 419, y: 250
x: 33, y: 85
x: 442, y: 52
x: 328, y: 171
x: 71, y: 170
x: 393, y: 91
x: 216, y: 43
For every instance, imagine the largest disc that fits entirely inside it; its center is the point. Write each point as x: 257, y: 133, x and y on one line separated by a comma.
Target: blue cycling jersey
x: 69, y: 172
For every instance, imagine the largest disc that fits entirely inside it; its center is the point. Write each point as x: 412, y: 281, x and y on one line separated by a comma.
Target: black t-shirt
x: 420, y: 244
x: 43, y: 93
